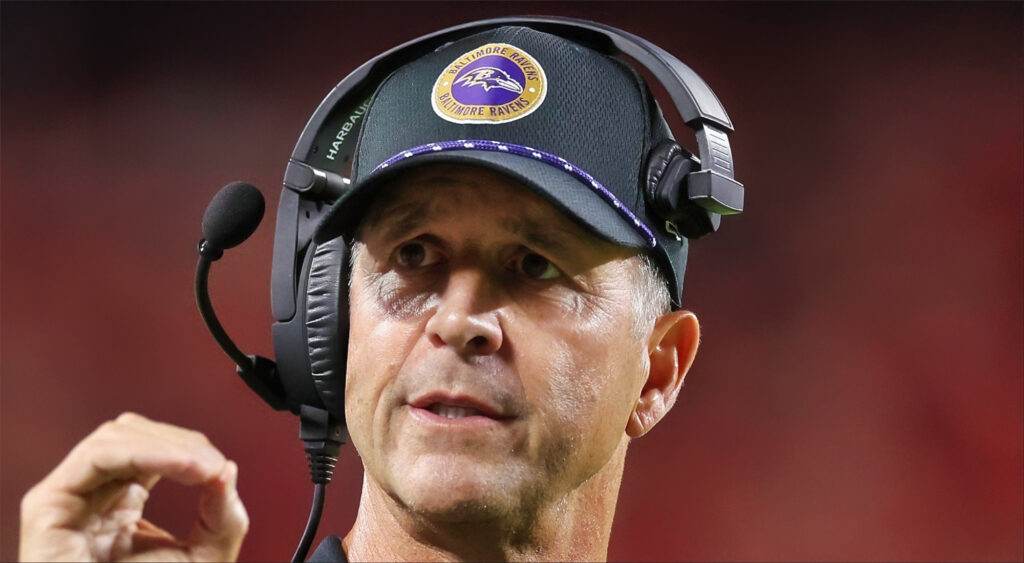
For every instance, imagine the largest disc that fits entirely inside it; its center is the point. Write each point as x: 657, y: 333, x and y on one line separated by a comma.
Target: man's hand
x: 90, y: 507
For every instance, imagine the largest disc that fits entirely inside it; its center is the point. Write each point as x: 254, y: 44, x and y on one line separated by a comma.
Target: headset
x: 309, y: 282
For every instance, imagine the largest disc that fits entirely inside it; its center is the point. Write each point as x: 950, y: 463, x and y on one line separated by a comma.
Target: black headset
x: 309, y: 282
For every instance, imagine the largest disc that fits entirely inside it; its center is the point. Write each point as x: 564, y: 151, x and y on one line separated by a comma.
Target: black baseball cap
x: 573, y: 124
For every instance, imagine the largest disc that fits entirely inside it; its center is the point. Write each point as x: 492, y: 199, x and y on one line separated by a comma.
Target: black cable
x: 323, y: 437
x: 312, y: 524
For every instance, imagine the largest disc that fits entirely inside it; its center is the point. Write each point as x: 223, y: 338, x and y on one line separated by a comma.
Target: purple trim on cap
x: 536, y: 154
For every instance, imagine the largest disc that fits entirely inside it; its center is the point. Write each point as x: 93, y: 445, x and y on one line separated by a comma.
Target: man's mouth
x: 457, y: 407
x: 449, y: 411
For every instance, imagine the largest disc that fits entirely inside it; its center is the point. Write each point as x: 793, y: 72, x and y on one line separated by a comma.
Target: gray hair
x: 651, y: 297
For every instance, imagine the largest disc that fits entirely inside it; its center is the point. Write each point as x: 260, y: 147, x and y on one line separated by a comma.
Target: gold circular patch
x: 494, y: 83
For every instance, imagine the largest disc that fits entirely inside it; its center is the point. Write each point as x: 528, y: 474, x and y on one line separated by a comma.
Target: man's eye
x: 535, y: 266
x: 416, y: 255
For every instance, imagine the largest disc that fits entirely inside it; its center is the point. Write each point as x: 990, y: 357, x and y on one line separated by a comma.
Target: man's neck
x: 574, y: 528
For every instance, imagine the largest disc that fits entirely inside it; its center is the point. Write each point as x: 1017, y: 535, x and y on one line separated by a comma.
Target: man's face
x: 492, y: 366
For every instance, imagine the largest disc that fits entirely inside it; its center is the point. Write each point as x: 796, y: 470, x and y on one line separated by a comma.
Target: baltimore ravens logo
x: 493, y: 83
x: 489, y: 77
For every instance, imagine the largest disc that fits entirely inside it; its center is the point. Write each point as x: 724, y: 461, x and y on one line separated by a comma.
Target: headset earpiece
x: 668, y: 168
x: 312, y: 346
x: 327, y: 322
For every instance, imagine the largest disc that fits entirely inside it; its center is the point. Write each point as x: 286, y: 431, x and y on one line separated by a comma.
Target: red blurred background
x: 858, y: 393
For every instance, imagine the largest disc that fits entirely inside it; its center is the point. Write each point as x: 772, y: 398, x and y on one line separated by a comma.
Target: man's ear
x: 672, y: 347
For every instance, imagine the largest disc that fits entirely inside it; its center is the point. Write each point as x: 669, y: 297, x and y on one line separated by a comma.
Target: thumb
x: 223, y: 522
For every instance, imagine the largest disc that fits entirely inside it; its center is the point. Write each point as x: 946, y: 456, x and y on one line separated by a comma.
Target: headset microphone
x: 230, y: 218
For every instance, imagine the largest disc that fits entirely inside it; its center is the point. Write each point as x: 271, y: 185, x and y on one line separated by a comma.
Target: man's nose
x: 466, y: 317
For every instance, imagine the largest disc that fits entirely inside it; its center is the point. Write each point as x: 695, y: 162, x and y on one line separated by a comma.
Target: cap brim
x: 571, y: 196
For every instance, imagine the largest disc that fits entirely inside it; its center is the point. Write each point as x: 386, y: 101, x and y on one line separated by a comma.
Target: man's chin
x: 443, y: 488
x: 462, y: 511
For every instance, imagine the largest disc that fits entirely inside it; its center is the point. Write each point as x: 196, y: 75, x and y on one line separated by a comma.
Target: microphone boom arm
x: 259, y: 373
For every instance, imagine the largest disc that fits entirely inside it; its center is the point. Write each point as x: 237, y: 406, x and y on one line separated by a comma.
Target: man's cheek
x: 562, y: 405
x: 573, y: 382
x: 362, y: 393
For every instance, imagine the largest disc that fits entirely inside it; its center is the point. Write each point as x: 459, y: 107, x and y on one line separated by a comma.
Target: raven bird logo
x: 490, y: 77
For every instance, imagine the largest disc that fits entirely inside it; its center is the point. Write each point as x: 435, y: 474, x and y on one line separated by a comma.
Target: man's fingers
x: 118, y: 495
x: 90, y: 505
x: 149, y: 537
x: 135, y: 448
x: 223, y: 521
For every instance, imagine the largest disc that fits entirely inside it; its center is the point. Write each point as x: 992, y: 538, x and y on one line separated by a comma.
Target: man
x: 512, y: 327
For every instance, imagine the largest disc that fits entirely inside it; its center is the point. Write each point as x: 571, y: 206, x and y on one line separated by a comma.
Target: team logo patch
x: 493, y: 83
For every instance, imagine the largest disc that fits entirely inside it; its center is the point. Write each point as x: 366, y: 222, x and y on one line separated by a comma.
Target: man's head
x: 511, y: 299
x: 501, y: 354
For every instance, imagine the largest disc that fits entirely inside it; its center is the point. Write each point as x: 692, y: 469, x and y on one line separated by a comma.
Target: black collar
x: 329, y: 550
